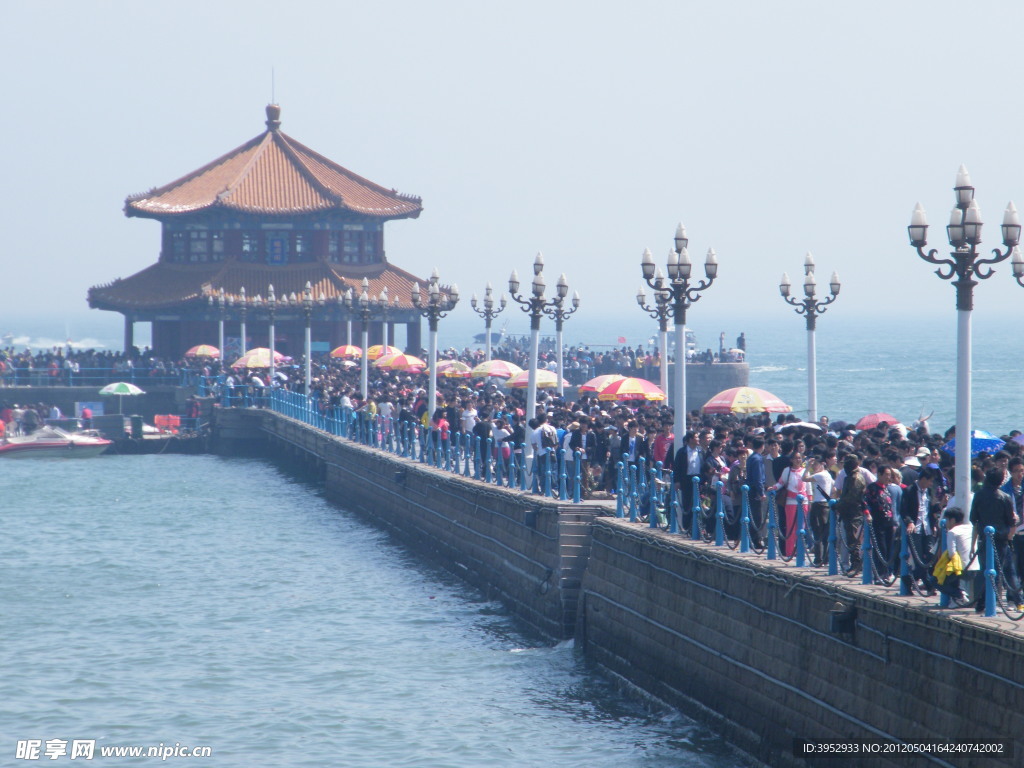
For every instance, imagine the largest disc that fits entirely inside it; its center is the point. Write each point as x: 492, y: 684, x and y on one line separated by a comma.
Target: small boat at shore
x: 52, y: 442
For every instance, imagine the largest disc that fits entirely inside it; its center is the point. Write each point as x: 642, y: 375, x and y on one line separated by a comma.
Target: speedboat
x: 54, y: 442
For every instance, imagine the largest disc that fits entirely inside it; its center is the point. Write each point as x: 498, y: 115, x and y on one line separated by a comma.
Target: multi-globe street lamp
x: 488, y: 313
x: 307, y: 310
x: 362, y: 306
x: 437, y: 305
x: 661, y: 311
x: 810, y: 308
x: 243, y: 305
x: 964, y: 264
x: 557, y: 312
x: 220, y: 301
x: 533, y: 305
x: 682, y: 294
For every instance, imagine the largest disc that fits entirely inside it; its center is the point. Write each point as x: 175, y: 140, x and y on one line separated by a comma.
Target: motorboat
x: 54, y: 442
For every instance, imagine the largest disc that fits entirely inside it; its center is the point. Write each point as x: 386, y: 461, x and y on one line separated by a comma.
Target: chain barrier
x: 1000, y: 585
x: 882, y: 569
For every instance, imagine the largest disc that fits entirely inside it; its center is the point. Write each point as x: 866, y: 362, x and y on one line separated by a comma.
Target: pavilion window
x: 334, y: 248
x: 178, y: 247
x: 250, y: 246
x: 276, y: 243
x: 198, y: 246
x: 303, y: 247
x: 216, y: 246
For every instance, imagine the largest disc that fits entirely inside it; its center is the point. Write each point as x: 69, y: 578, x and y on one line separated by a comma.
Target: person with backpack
x: 849, y: 490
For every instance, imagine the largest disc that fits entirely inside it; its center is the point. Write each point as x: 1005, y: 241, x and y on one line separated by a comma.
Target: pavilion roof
x: 166, y: 286
x: 273, y: 174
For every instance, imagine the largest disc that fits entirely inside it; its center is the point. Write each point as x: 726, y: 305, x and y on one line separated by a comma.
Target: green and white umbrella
x: 121, y: 388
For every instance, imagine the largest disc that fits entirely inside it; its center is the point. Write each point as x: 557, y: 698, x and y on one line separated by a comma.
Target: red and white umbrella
x: 259, y: 357
x: 400, y: 362
x: 379, y: 350
x: 598, y: 383
x: 453, y: 369
x: 745, y: 400
x: 347, y: 350
x: 631, y: 389
x: 202, y: 350
x: 872, y: 420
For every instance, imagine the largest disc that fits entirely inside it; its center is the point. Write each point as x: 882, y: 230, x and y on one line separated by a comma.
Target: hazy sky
x: 579, y: 129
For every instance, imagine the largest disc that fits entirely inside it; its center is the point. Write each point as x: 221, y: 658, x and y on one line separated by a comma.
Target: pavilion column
x: 129, y: 334
x: 413, y: 338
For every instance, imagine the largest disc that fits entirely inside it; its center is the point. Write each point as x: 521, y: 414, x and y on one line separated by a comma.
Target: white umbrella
x: 121, y: 388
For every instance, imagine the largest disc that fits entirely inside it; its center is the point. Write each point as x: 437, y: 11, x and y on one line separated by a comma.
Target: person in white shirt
x: 958, y: 539
x: 820, y: 481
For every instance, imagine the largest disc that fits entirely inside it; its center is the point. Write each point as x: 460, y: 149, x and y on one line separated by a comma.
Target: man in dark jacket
x: 993, y: 507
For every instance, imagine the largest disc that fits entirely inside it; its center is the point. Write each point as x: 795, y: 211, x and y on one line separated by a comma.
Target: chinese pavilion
x: 270, y: 213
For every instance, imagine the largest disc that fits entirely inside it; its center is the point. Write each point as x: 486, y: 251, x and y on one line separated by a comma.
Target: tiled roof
x: 163, y: 286
x: 273, y: 174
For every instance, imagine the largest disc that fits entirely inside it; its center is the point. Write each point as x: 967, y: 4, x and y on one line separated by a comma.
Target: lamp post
x: 681, y: 294
x: 557, y: 311
x: 385, y: 308
x: 242, y: 303
x: 964, y: 264
x: 532, y: 305
x: 488, y: 313
x: 307, y: 309
x: 363, y: 306
x: 810, y: 308
x: 436, y: 306
x: 271, y: 309
x: 661, y: 311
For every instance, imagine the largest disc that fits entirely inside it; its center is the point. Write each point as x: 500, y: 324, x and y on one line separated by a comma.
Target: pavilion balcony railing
x: 13, y: 376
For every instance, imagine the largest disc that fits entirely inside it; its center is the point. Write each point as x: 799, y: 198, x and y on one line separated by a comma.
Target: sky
x: 585, y: 131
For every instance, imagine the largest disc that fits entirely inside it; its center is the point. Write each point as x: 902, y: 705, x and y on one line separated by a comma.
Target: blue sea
x: 194, y: 601
x: 902, y: 365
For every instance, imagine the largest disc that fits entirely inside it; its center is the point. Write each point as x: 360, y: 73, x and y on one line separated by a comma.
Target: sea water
x: 210, y: 602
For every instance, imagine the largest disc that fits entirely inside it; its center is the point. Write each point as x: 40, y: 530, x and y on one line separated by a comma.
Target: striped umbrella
x: 121, y: 388
x: 545, y: 380
x: 598, y: 383
x: 203, y: 350
x: 258, y: 357
x: 400, y: 362
x: 453, y: 369
x: 379, y: 350
x: 745, y: 400
x: 500, y: 369
x: 631, y: 389
x: 347, y: 350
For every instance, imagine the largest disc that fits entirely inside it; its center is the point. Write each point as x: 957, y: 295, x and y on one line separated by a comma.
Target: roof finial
x: 273, y: 117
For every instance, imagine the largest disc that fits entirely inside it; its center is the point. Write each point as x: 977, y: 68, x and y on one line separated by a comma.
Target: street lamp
x: 365, y: 310
x: 661, y: 311
x: 556, y: 310
x: 964, y: 264
x: 682, y: 295
x: 488, y: 313
x: 436, y: 306
x: 385, y: 309
x: 810, y: 308
x: 532, y: 305
x: 271, y: 310
x: 307, y: 309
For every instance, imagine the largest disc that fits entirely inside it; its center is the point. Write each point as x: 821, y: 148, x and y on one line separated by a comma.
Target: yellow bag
x: 941, y: 569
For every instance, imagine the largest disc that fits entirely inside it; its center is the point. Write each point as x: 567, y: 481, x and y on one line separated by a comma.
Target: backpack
x: 548, y: 437
x: 851, y: 499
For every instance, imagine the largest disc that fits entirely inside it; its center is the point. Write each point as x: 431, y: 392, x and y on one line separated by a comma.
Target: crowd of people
x: 899, y: 478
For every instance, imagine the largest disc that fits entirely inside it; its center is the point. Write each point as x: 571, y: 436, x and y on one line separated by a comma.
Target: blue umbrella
x: 981, y: 442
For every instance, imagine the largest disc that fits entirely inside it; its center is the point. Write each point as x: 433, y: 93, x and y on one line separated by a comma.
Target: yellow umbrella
x: 258, y: 357
x: 501, y: 369
x: 453, y: 369
x: 745, y: 400
x: 545, y: 380
x: 379, y: 350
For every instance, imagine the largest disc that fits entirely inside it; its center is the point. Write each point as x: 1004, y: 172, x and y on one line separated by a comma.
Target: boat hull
x: 72, y: 449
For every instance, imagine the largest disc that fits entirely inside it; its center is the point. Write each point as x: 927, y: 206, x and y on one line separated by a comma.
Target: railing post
x: 990, y: 571
x: 745, y: 519
x: 695, y: 523
x: 632, y: 494
x: 772, y: 527
x: 577, y: 482
x: 620, y: 490
x: 522, y: 468
x: 867, y: 572
x: 652, y: 495
x: 943, y: 595
x: 801, y: 532
x: 673, y: 517
x: 833, y: 551
x: 719, y: 514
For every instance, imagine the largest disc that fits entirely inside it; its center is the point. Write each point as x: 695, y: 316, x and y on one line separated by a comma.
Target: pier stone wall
x: 765, y: 651
x: 772, y: 655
